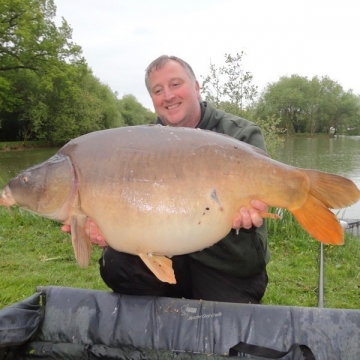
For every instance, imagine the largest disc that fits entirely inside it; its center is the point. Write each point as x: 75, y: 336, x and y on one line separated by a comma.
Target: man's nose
x: 168, y: 94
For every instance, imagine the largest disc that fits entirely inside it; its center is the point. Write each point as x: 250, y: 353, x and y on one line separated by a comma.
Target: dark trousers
x: 127, y: 274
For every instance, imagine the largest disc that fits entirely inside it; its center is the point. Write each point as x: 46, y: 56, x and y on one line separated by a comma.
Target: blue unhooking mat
x: 68, y: 323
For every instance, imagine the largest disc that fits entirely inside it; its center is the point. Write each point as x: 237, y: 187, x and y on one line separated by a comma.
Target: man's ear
x: 197, y: 88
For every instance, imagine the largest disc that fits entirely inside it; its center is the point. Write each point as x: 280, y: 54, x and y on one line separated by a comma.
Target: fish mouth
x: 6, y: 197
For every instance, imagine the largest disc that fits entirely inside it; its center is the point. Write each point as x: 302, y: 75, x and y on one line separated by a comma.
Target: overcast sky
x: 120, y: 38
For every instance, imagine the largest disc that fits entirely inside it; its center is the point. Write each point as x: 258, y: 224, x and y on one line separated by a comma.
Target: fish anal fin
x: 161, y: 266
x: 80, y: 240
x: 319, y: 221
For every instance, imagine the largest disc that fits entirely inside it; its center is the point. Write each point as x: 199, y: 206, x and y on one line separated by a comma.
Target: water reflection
x: 338, y: 155
x: 12, y: 162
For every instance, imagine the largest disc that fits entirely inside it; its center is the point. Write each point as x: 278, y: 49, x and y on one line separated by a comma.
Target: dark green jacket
x: 246, y: 253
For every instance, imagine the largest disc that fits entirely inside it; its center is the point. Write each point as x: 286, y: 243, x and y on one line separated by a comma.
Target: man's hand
x: 247, y: 218
x: 92, y: 230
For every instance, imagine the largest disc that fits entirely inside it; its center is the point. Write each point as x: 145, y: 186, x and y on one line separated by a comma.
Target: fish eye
x: 24, y: 179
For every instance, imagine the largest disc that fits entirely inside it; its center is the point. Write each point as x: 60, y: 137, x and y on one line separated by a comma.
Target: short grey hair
x: 160, y: 62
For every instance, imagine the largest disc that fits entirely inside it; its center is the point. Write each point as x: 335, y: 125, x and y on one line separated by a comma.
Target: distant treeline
x: 293, y: 104
x: 48, y: 92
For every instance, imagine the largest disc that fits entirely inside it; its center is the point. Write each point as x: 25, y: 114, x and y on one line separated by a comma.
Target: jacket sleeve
x: 244, y: 130
x: 252, y: 135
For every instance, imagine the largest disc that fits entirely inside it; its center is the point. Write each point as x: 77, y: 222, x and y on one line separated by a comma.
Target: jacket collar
x: 209, y: 119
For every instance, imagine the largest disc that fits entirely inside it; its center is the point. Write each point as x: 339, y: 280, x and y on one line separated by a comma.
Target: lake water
x: 339, y: 155
x: 12, y: 162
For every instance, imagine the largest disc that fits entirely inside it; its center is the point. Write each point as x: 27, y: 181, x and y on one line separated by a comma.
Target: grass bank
x: 19, y: 145
x: 35, y: 252
x: 294, y: 268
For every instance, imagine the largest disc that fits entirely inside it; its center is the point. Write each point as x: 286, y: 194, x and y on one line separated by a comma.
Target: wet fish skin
x: 159, y: 191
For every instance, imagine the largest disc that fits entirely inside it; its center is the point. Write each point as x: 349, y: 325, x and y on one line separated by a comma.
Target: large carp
x: 159, y: 191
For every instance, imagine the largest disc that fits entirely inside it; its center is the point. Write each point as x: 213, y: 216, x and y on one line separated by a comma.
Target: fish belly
x: 164, y: 220
x: 172, y: 191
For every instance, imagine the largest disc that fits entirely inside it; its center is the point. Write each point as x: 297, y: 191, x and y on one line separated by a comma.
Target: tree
x: 340, y: 109
x: 28, y: 37
x: 309, y: 105
x: 76, y: 104
x: 230, y: 84
x: 47, y: 90
x: 230, y: 88
x: 133, y: 112
x: 285, y: 100
x: 34, y: 55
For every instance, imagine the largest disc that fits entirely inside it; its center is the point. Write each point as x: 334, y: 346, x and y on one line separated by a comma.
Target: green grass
x: 294, y: 268
x: 15, y: 145
x: 35, y: 252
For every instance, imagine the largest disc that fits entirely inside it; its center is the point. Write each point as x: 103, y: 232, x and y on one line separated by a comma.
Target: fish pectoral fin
x: 161, y: 266
x: 269, y: 215
x: 80, y: 240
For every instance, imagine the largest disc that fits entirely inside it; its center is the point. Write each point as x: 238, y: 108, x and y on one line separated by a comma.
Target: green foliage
x: 311, y: 106
x: 47, y: 91
x: 269, y: 127
x: 16, y: 145
x: 28, y: 37
x: 229, y: 84
x: 133, y: 112
x: 230, y: 88
x: 77, y: 104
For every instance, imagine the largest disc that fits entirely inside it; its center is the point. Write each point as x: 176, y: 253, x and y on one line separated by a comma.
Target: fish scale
x: 158, y: 191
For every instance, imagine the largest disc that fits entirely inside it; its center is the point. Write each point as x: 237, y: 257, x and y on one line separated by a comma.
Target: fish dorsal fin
x: 80, y: 240
x: 161, y: 266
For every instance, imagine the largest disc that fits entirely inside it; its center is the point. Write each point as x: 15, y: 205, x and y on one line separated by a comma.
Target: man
x: 232, y: 270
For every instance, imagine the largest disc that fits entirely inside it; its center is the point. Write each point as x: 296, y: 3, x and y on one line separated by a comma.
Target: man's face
x: 175, y: 95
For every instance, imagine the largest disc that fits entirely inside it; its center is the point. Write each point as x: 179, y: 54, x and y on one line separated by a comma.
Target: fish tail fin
x: 319, y: 221
x: 334, y: 191
x: 161, y: 266
x: 326, y: 191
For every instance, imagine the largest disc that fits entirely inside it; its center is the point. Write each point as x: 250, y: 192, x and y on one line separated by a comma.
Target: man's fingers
x: 92, y: 231
x: 259, y: 206
x: 256, y: 219
x: 66, y: 228
x: 95, y: 235
x: 236, y: 222
x: 246, y: 220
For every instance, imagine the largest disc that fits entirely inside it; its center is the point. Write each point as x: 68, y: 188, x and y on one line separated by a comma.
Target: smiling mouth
x: 170, y: 107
